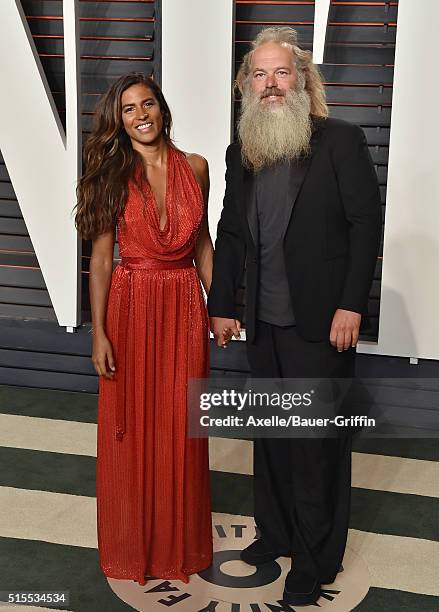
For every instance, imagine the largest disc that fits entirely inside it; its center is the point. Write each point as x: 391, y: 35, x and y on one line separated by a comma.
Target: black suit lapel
x: 300, y: 170
x: 250, y: 205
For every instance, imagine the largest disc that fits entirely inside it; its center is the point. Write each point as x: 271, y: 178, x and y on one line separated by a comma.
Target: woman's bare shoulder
x: 200, y: 168
x: 198, y: 163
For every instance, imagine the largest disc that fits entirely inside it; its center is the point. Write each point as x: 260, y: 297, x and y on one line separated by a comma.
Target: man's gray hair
x: 308, y: 72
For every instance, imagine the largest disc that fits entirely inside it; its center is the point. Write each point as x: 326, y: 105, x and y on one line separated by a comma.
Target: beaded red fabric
x: 153, y: 498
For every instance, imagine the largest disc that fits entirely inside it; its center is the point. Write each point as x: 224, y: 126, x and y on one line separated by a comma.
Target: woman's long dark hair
x: 109, y: 159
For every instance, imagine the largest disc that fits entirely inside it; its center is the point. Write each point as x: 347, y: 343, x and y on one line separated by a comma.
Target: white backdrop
x: 197, y: 68
x: 409, y: 318
x: 197, y: 73
x: 43, y: 162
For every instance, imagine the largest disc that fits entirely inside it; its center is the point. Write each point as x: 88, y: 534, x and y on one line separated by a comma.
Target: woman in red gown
x: 150, y: 335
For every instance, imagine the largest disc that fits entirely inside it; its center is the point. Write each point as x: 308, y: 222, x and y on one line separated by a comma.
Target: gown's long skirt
x: 153, y: 482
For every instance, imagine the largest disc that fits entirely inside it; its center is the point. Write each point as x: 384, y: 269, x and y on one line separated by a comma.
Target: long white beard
x: 270, y: 134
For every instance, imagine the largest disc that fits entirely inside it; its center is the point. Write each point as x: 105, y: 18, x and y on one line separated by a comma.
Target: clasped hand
x: 223, y: 329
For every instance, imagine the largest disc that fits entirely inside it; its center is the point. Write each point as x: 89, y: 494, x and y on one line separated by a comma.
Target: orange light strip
x: 291, y: 2
x: 348, y: 45
x: 17, y: 252
x: 45, y: 17
x: 360, y: 85
x: 298, y: 3
x: 20, y: 267
x: 143, y: 39
x: 59, y: 36
x: 122, y: 19
x: 331, y: 23
x: 365, y: 3
x: 362, y: 65
x: 242, y: 22
x: 117, y: 57
x: 361, y: 23
x: 100, y: 57
x: 119, y: 1
x: 347, y: 84
x: 121, y: 38
x: 349, y: 105
x: 354, y: 104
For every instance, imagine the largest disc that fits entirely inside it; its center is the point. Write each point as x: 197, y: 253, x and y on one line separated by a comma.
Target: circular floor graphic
x: 232, y: 586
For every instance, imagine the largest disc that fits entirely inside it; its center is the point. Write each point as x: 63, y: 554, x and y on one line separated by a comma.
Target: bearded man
x: 302, y: 213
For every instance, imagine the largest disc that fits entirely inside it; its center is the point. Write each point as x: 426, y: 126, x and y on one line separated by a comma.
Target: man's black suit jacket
x: 331, y: 241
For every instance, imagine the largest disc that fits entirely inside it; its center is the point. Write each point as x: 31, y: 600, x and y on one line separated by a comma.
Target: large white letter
x: 409, y: 321
x: 321, y: 12
x: 42, y: 161
x: 197, y: 73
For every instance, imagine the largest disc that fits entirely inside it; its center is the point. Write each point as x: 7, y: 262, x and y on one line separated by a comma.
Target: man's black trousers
x: 302, y: 485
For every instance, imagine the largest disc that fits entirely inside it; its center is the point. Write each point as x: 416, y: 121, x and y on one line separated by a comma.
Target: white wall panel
x: 409, y: 317
x: 321, y: 12
x: 197, y: 73
x: 42, y: 161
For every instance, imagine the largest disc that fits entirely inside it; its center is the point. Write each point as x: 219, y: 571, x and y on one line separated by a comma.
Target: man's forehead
x: 271, y: 53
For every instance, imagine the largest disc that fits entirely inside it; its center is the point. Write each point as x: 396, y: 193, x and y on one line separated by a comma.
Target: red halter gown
x: 153, y: 498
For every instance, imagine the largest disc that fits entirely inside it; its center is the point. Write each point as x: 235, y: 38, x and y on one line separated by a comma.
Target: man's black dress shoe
x: 301, y: 589
x: 258, y: 553
x: 331, y: 579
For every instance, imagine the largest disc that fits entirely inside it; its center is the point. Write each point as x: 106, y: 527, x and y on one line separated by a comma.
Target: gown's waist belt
x: 128, y: 264
x: 148, y: 263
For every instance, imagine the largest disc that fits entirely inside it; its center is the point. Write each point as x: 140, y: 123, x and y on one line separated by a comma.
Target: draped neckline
x: 151, y: 199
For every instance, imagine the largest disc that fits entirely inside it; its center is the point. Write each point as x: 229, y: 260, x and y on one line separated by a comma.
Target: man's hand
x: 223, y: 329
x: 345, y: 329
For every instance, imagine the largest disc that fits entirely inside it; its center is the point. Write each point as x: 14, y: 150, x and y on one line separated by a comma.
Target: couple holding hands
x: 302, y: 216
